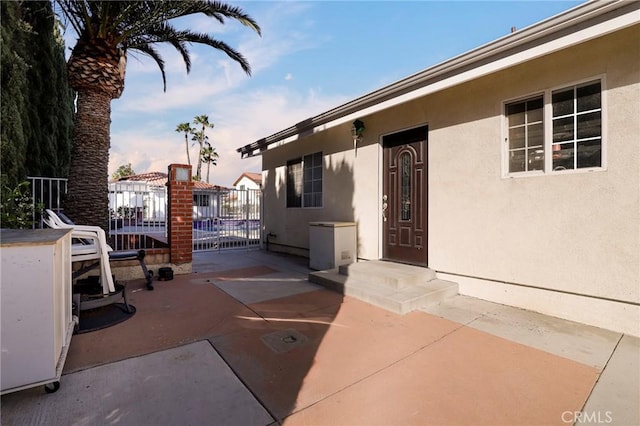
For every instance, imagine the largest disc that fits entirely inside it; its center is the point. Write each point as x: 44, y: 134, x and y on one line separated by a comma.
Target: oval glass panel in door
x: 405, y: 186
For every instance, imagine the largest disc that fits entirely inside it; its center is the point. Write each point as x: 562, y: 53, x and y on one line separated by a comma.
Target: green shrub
x: 16, y: 206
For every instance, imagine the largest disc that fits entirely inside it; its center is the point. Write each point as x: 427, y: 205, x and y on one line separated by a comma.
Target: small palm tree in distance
x: 186, y: 129
x: 210, y: 157
x: 201, y: 137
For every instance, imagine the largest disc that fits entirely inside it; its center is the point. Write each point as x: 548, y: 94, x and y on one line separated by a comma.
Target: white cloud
x: 288, y: 77
x: 239, y: 120
x: 212, y: 71
x: 145, y: 118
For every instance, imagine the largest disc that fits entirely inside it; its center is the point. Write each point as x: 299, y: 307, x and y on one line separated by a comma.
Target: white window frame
x: 201, y: 200
x: 548, y: 131
x: 505, y: 133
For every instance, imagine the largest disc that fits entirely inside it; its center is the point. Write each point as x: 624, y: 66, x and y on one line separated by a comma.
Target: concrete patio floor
x: 247, y: 340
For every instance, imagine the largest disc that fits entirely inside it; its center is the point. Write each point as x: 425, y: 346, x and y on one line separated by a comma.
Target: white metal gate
x: 137, y: 215
x: 226, y: 219
x: 222, y: 218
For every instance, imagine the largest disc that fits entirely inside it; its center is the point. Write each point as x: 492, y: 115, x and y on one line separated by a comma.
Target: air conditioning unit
x: 332, y: 244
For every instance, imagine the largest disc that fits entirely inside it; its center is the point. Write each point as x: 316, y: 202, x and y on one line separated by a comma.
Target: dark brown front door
x: 405, y: 196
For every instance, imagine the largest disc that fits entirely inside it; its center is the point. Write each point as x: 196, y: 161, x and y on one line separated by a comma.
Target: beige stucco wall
x: 343, y: 200
x: 577, y: 233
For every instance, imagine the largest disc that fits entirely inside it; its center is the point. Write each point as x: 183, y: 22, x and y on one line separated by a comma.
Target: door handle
x: 384, y: 208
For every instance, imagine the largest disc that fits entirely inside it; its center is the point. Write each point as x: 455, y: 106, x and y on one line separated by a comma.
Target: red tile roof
x: 160, y: 179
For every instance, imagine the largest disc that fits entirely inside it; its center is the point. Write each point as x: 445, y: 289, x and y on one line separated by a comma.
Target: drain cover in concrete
x: 284, y: 340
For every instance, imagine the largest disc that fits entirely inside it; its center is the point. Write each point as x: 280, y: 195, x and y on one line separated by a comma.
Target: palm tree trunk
x: 87, y: 202
x: 199, y: 168
x: 186, y: 144
x: 208, y: 167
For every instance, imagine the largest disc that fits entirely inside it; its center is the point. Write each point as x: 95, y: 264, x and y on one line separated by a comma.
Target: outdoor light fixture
x: 182, y: 174
x: 357, y: 129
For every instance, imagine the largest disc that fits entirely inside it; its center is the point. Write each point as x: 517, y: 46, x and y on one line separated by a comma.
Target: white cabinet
x: 36, y: 310
x: 331, y: 244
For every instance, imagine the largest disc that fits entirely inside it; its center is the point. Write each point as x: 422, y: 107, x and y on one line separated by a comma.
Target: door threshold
x: 405, y: 262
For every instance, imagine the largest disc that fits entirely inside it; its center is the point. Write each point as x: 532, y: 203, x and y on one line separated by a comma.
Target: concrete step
x: 397, y: 300
x: 390, y: 274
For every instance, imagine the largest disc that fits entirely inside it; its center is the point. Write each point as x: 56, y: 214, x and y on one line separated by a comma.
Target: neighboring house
x: 144, y: 195
x: 512, y: 169
x: 141, y: 197
x: 248, y: 180
x: 206, y: 200
x: 248, y: 194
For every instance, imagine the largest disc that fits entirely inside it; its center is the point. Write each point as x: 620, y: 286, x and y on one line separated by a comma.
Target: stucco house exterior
x: 512, y: 169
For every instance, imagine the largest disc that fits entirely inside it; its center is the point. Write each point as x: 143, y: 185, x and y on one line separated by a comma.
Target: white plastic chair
x: 91, y: 244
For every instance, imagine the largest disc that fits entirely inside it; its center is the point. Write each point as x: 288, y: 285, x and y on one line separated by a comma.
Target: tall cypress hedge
x: 36, y: 101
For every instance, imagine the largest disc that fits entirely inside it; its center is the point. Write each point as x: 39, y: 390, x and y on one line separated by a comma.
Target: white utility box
x: 332, y: 244
x: 35, y: 299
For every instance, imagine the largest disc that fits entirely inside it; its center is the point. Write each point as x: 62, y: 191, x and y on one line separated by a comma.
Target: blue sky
x: 312, y: 56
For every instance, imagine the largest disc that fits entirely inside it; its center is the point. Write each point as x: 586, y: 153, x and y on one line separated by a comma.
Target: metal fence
x: 137, y: 215
x: 47, y: 193
x: 222, y: 219
x: 226, y: 219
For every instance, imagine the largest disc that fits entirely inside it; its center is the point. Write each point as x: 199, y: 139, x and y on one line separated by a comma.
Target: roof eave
x: 538, y: 31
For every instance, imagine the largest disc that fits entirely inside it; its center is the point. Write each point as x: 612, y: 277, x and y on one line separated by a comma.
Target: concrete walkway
x: 247, y: 340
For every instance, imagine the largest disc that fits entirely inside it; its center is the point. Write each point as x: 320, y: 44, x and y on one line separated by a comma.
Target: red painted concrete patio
x: 314, y: 357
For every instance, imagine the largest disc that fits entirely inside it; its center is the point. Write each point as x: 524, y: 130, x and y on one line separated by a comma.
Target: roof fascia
x: 243, y: 175
x: 574, y: 26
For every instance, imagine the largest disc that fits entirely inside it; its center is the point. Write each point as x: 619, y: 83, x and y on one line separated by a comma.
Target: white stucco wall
x: 576, y: 234
x: 246, y: 183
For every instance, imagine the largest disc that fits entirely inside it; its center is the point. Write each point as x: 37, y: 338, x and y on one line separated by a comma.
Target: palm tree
x: 107, y: 31
x: 200, y: 137
x: 209, y: 156
x: 186, y: 128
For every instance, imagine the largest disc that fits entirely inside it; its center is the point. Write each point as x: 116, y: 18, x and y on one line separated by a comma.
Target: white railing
x: 137, y: 215
x: 47, y: 193
x: 226, y: 219
x: 222, y: 219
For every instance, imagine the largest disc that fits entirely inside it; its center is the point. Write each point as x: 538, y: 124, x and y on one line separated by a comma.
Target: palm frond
x: 164, y: 33
x: 206, y: 39
x: 140, y: 25
x: 148, y: 50
x: 216, y: 10
x: 76, y: 13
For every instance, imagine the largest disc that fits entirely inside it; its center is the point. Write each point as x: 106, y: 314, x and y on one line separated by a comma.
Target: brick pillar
x: 180, y: 214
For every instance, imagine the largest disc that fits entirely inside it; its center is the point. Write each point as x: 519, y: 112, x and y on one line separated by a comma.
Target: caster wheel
x: 51, y: 387
x: 149, y: 280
